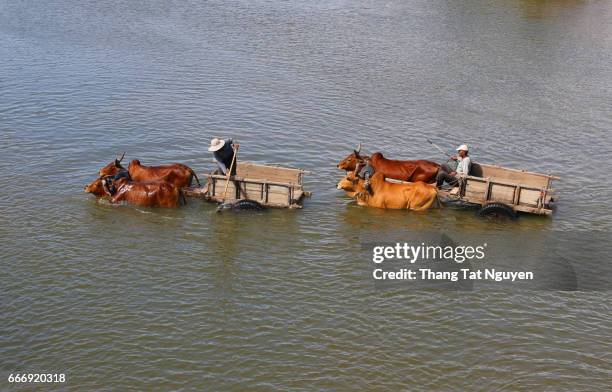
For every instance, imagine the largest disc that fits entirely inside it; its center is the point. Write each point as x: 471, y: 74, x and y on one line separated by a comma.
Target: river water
x: 124, y: 298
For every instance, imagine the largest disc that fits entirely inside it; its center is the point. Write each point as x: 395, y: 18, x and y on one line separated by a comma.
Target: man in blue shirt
x: 223, y: 153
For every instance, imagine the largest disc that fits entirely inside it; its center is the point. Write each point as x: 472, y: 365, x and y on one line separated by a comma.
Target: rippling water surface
x: 123, y: 298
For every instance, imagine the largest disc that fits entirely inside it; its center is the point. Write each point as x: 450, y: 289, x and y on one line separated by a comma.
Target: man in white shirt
x: 464, y: 164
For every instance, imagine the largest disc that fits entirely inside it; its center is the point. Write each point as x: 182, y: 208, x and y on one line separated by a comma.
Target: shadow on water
x: 542, y: 9
x: 462, y: 219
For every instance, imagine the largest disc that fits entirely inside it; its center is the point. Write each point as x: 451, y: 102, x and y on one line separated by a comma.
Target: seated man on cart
x: 464, y: 164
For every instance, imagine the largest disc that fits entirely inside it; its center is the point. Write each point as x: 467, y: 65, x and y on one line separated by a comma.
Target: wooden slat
x: 271, y: 173
x: 475, y: 189
x: 275, y: 194
x: 222, y: 179
x: 529, y: 197
x: 502, y: 193
x: 532, y: 210
x: 518, y: 177
x: 248, y: 188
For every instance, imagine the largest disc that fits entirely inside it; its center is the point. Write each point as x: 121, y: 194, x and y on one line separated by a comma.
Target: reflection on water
x: 129, y: 298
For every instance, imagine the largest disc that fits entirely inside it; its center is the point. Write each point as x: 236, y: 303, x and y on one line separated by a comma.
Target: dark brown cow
x: 143, y: 194
x: 177, y: 174
x: 411, y: 171
x: 418, y: 170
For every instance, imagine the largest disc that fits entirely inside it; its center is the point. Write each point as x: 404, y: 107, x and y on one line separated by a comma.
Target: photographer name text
x: 453, y: 276
x: 407, y: 253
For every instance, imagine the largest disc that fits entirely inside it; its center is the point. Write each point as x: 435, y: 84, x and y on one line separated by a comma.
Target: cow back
x: 416, y: 170
x: 176, y: 174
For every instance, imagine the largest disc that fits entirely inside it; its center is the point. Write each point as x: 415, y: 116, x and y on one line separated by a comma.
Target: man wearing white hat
x: 223, y: 153
x: 464, y: 164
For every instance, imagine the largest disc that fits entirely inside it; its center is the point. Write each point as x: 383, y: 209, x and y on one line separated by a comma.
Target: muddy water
x: 122, y: 297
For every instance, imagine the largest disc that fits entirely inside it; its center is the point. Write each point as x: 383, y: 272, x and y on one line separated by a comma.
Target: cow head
x: 112, y: 168
x: 349, y: 183
x: 96, y: 188
x: 350, y: 162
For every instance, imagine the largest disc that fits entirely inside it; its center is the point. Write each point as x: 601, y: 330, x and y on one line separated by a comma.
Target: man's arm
x: 222, y: 167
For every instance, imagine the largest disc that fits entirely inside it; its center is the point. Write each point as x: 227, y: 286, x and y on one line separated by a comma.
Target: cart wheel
x: 497, y: 211
x: 240, y: 205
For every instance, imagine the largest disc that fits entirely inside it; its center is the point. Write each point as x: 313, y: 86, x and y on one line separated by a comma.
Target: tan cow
x: 417, y: 196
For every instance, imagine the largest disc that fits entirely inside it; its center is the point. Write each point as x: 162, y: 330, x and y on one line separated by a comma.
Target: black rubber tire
x: 241, y: 205
x: 497, y: 211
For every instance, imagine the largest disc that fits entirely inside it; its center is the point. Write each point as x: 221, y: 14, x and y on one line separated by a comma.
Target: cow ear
x: 117, y: 163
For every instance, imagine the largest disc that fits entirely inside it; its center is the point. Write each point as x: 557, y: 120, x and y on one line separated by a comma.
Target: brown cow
x: 178, y: 174
x: 412, y: 171
x: 417, y: 196
x: 144, y: 194
x: 96, y: 188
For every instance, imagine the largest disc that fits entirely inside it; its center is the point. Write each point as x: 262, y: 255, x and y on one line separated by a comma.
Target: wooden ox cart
x: 271, y: 186
x: 500, y: 191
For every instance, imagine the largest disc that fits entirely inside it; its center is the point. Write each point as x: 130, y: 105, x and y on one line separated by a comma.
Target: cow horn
x: 120, y: 159
x: 358, y: 147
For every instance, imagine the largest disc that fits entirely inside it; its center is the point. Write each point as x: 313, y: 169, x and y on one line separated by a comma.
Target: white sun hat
x: 216, y: 144
x: 462, y: 147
